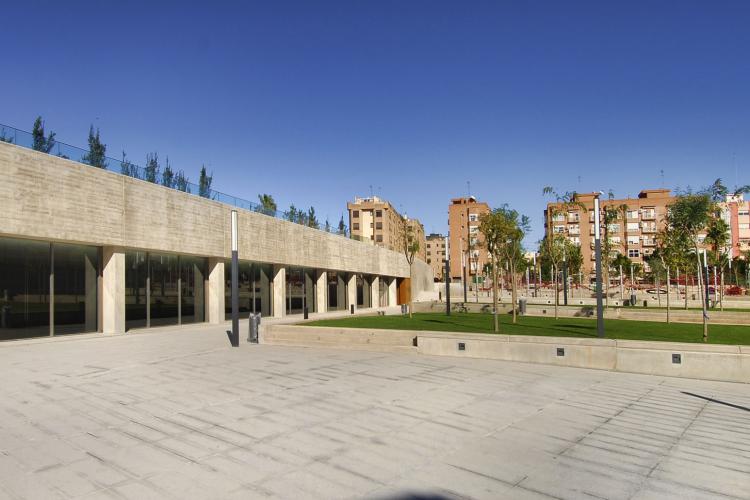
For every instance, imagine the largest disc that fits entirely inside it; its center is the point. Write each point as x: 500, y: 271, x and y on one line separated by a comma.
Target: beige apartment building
x: 736, y: 212
x: 436, y: 248
x: 633, y: 235
x: 375, y: 220
x: 465, y: 240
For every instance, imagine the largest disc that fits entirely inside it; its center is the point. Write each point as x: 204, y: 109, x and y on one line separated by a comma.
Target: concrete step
x: 343, y: 337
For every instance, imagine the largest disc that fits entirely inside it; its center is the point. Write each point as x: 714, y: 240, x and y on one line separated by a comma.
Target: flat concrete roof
x: 177, y: 413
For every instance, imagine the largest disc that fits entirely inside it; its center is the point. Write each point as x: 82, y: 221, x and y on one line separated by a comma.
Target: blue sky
x: 314, y: 102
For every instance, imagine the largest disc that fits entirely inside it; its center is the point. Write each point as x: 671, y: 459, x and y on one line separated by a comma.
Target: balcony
x: 648, y: 228
x: 650, y: 242
x: 648, y: 215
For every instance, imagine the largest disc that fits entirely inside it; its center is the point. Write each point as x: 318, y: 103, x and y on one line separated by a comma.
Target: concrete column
x: 279, y: 291
x: 375, y: 292
x: 216, y: 285
x: 351, y: 292
x: 91, y: 275
x: 321, y: 292
x: 113, y: 296
x: 392, y: 292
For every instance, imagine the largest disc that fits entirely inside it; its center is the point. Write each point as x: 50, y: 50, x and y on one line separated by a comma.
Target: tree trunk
x: 494, y: 293
x: 513, y: 288
x: 557, y: 291
x: 411, y: 293
x: 703, y: 298
x: 658, y: 288
x: 721, y: 296
x: 686, y: 289
x: 667, y: 294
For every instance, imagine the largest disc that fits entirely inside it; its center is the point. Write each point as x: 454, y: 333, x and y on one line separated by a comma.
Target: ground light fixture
x: 598, y: 250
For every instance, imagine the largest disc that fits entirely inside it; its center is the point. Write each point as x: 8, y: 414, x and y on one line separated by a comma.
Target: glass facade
x: 164, y: 289
x: 47, y: 289
x: 300, y: 290
x: 336, y: 291
x: 76, y: 269
x: 364, y: 291
x: 254, y: 288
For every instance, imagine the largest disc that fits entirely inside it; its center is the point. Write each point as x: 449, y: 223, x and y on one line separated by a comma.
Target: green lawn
x: 535, y: 325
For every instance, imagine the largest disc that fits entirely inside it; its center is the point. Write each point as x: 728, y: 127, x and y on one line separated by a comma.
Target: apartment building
x: 436, y: 248
x: 465, y: 240
x: 736, y: 212
x: 375, y: 220
x: 633, y: 233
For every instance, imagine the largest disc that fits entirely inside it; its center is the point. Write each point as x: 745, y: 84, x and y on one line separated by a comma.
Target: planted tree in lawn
x: 410, y: 246
x: 554, y: 243
x: 689, y: 216
x: 96, y: 157
x: 612, y: 215
x: 490, y: 227
x: 512, y: 227
x: 40, y: 141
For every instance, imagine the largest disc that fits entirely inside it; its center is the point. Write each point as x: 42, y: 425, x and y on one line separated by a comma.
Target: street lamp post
x: 598, y: 250
x: 235, y: 334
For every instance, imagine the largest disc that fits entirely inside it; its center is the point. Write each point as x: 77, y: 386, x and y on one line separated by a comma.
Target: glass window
x: 355, y: 214
x: 76, y: 272
x: 254, y: 288
x: 164, y: 288
x: 192, y: 280
x: 336, y: 291
x: 364, y: 294
x: 24, y: 288
x: 295, y: 290
x: 378, y: 213
x: 136, y: 272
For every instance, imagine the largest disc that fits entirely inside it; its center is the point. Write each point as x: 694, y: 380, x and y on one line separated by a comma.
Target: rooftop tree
x: 40, y: 142
x: 204, y: 183
x: 151, y: 171
x: 267, y: 204
x: 96, y: 157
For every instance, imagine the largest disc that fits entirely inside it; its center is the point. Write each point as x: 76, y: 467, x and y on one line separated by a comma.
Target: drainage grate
x: 561, y: 351
x: 461, y: 346
x: 677, y: 359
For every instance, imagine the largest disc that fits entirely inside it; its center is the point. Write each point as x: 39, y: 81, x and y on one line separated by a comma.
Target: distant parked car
x: 654, y: 291
x: 735, y: 290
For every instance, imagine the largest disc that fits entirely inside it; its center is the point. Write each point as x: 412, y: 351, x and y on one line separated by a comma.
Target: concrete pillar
x: 321, y: 292
x: 375, y: 292
x: 216, y: 285
x: 351, y: 292
x: 279, y: 291
x: 392, y: 292
x: 113, y: 288
x: 91, y: 289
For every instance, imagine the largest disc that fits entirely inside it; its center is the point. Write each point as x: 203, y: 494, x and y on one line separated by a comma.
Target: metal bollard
x: 254, y: 328
x: 305, y: 314
x: 352, y: 308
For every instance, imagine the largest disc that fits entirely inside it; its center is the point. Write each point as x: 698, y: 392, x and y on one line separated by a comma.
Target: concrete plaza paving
x: 179, y: 414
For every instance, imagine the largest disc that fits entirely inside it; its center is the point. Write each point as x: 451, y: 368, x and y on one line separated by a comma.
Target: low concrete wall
x: 709, y: 362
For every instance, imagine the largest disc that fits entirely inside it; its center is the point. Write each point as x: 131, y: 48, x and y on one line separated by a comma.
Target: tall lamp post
x: 598, y: 250
x: 234, y: 336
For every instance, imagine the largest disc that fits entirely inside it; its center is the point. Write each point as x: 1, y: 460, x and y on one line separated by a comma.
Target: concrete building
x: 634, y: 235
x: 84, y: 249
x: 465, y: 240
x: 375, y: 220
x: 436, y: 254
x: 736, y: 212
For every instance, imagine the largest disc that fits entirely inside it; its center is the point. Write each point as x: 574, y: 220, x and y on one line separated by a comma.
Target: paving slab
x: 177, y: 413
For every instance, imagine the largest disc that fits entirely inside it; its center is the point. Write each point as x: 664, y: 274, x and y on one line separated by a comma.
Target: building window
x: 379, y: 225
x: 379, y: 238
x: 632, y: 226
x: 355, y: 226
x: 632, y: 214
x: 633, y: 240
x: 355, y: 214
x: 559, y: 229
x: 634, y: 253
x: 378, y: 213
x: 472, y: 217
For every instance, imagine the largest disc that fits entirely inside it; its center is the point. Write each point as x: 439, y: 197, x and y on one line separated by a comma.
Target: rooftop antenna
x: 579, y: 179
x: 371, y: 191
x: 661, y: 173
x: 736, y: 174
x: 468, y: 188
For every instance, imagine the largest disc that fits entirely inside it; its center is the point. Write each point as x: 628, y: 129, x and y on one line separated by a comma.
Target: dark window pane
x: 136, y: 271
x: 192, y: 275
x: 76, y: 270
x: 24, y: 288
x: 164, y: 289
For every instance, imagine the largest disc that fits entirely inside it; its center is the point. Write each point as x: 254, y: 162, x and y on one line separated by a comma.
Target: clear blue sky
x: 313, y: 102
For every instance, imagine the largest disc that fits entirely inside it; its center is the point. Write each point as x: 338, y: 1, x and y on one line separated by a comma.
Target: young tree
x: 5, y: 138
x: 327, y: 227
x: 128, y: 168
x: 293, y: 214
x: 342, y: 226
x: 312, y: 220
x: 613, y: 215
x: 489, y: 226
x: 181, y: 182
x: 96, y: 157
x: 267, y: 204
x: 151, y: 171
x: 410, y: 247
x: 204, y: 183
x: 167, y: 176
x: 554, y: 244
x: 688, y: 216
x: 511, y: 228
x: 40, y: 142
